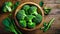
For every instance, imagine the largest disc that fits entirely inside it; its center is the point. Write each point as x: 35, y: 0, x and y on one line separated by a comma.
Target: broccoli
x: 47, y: 10
x: 22, y: 23
x: 37, y: 19
x: 6, y: 22
x: 28, y: 16
x: 20, y: 14
x: 7, y: 7
x: 18, y: 31
x: 30, y: 24
x: 8, y: 4
x: 33, y: 10
x: 15, y: 5
x: 9, y: 25
x: 49, y: 24
x: 41, y: 3
x: 26, y: 8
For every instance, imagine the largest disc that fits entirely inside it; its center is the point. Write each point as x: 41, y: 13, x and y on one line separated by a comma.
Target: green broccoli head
x: 26, y: 8
x: 37, y: 19
x: 20, y: 14
x: 22, y: 23
x: 6, y: 22
x: 31, y: 24
x: 33, y: 10
x: 29, y: 17
x: 7, y: 7
x: 8, y: 4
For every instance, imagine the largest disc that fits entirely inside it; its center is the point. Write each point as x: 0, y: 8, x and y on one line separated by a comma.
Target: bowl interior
x: 39, y: 10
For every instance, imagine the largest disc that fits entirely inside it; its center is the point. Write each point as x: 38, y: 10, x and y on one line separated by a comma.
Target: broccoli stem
x: 15, y: 5
x: 36, y: 13
x: 9, y: 8
x: 49, y: 24
x: 15, y: 27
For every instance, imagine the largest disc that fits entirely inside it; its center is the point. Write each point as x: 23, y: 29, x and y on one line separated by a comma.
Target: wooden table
x: 55, y: 13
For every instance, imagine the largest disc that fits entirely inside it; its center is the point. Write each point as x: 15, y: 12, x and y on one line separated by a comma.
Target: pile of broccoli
x: 28, y: 17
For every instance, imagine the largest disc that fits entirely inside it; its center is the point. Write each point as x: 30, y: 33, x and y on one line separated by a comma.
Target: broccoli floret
x: 33, y: 10
x: 20, y: 14
x: 8, y: 3
x: 7, y: 7
x: 26, y: 8
x: 37, y: 19
x: 15, y: 5
x: 31, y: 24
x: 29, y: 17
x: 22, y: 23
x: 47, y: 10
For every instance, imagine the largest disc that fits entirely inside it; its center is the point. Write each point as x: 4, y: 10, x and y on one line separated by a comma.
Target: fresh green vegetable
x: 8, y: 4
x: 15, y: 5
x: 26, y: 8
x: 22, y: 23
x: 33, y: 10
x: 18, y: 31
x: 42, y: 28
x: 49, y: 24
x: 30, y: 23
x: 45, y: 24
x: 4, y: 9
x: 41, y: 3
x: 8, y: 24
x: 37, y: 19
x: 28, y: 16
x: 7, y: 7
x: 47, y: 10
x: 20, y: 15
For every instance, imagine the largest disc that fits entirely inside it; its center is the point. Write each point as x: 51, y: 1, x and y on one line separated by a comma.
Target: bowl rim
x: 19, y: 7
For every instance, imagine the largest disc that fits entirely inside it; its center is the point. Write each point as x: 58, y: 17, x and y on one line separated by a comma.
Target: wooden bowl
x: 39, y: 9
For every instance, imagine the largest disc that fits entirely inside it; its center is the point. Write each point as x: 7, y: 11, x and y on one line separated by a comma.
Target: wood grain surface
x: 55, y: 13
